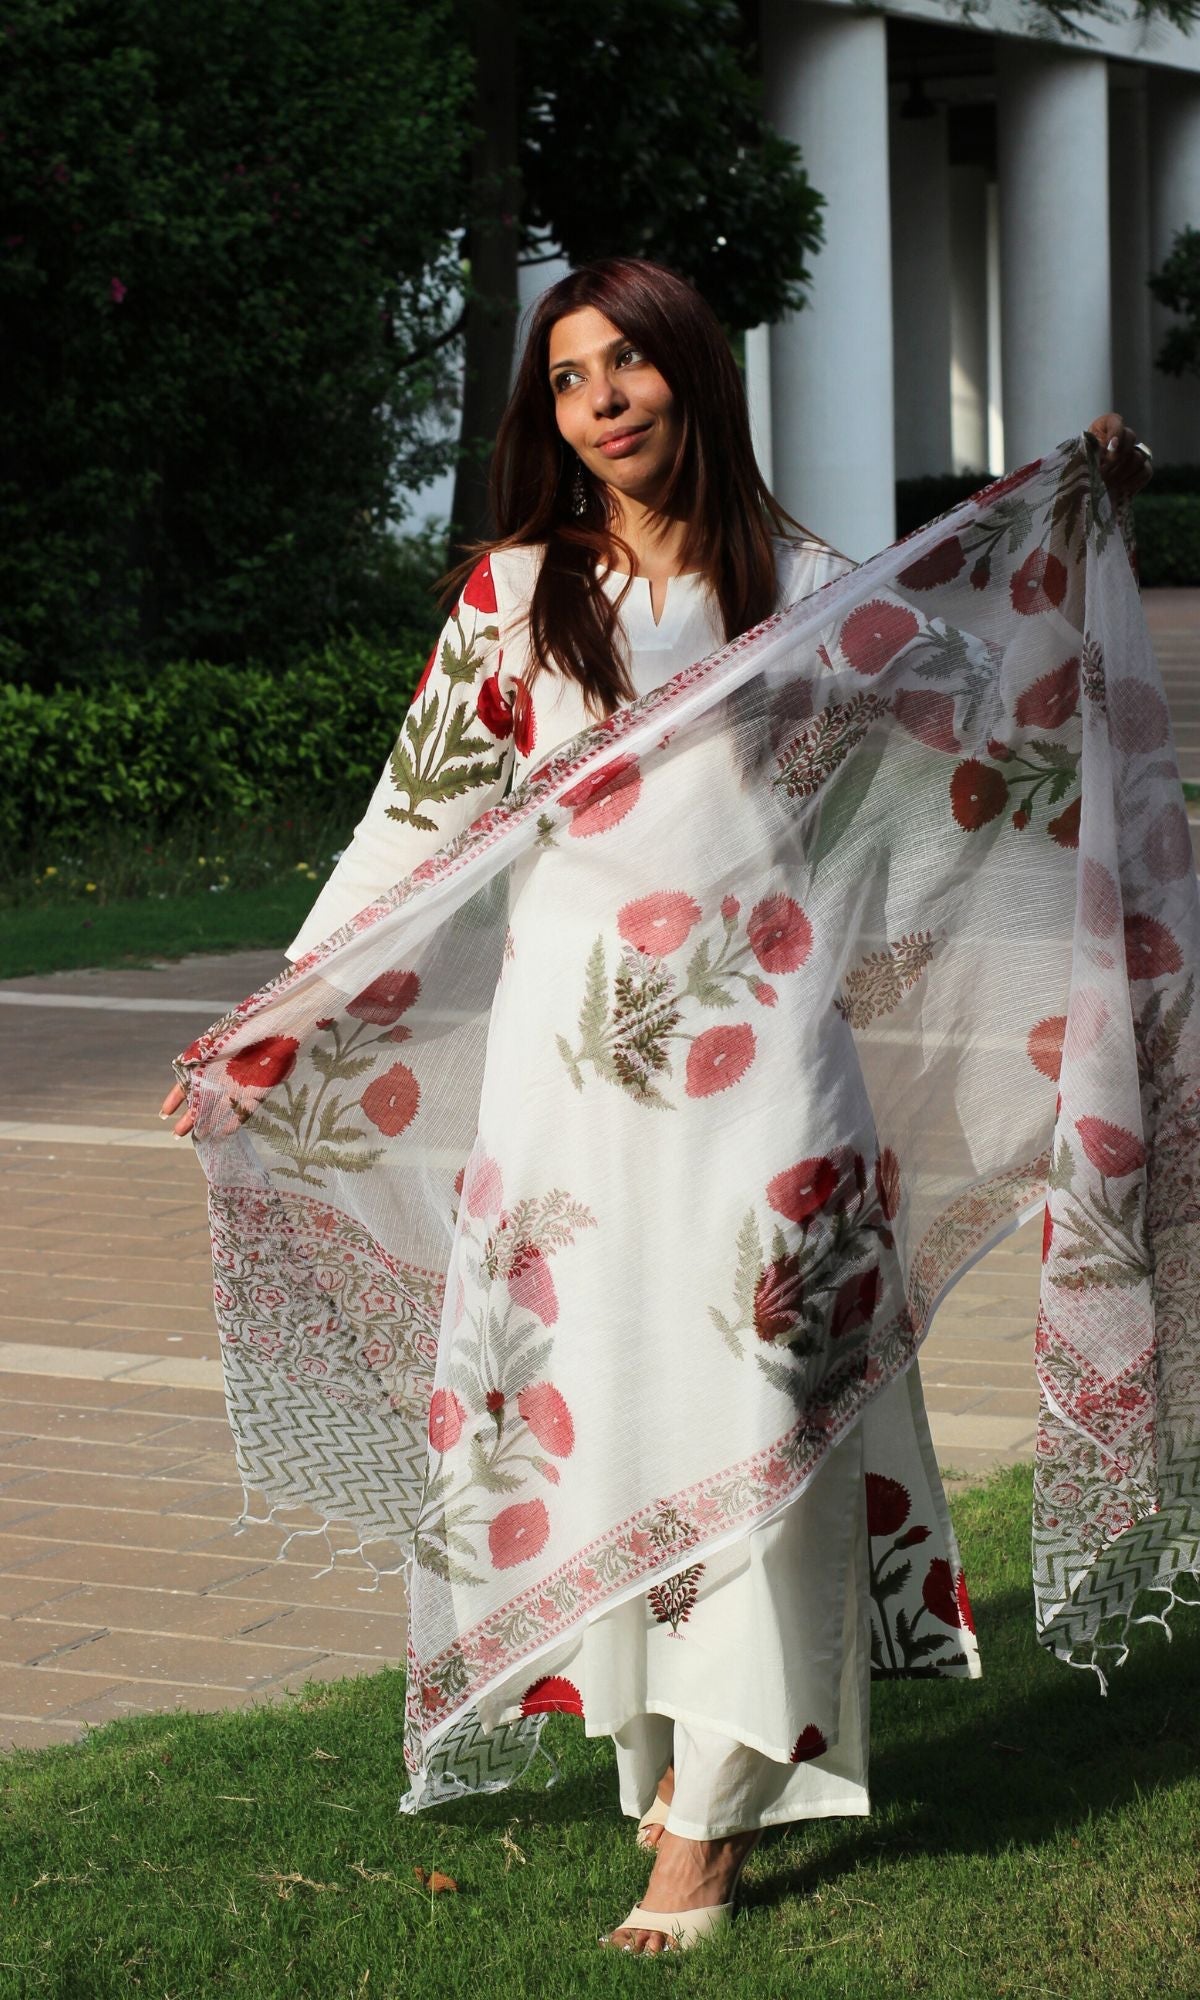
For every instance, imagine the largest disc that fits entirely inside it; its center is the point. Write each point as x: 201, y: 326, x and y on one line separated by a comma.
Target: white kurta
x: 752, y: 1668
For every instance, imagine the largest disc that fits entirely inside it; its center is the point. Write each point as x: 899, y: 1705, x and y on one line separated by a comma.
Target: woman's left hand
x: 1123, y: 470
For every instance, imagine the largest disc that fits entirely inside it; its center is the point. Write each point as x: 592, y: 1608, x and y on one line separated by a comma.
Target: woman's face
x: 612, y: 405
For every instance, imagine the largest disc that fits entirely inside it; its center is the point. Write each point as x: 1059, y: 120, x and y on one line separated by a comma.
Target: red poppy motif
x: 810, y: 1743
x: 913, y: 1538
x: 524, y: 719
x: 777, y: 1297
x: 981, y: 575
x: 1039, y: 585
x: 1167, y: 848
x: 493, y: 1402
x: 263, y: 1064
x: 764, y: 994
x: 603, y: 799
x: 939, y: 566
x: 1150, y: 948
x: 1010, y: 481
x: 1044, y: 1045
x: 978, y: 793
x: 385, y: 999
x: 856, y: 1303
x: 730, y: 908
x: 1047, y: 1232
x: 493, y: 709
x: 548, y: 1417
x: 484, y: 1189
x: 552, y: 1695
x: 531, y: 1284
x: 192, y: 1052
x: 1100, y: 900
x: 780, y: 934
x: 801, y: 1190
x: 419, y: 690
x: 1137, y: 717
x: 518, y: 1533
x: 1065, y: 828
x: 887, y: 1183
x: 1051, y: 700
x: 966, y: 1617
x: 1112, y: 1150
x: 391, y: 1101
x: 888, y: 1504
x: 446, y: 1419
x: 480, y: 591
x: 928, y: 715
x: 718, y: 1059
x: 659, y: 923
x: 874, y: 634
x: 940, y: 1592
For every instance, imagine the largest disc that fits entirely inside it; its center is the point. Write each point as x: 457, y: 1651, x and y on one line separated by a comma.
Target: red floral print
x: 940, y: 1592
x: 531, y: 1284
x: 928, y: 715
x: 391, y: 1101
x: 913, y: 1538
x: 730, y: 908
x: 493, y: 710
x: 941, y: 564
x: 1039, y: 585
x: 810, y: 1743
x: 800, y: 1191
x: 1150, y: 948
x: 263, y: 1064
x: 1101, y: 899
x: 887, y: 1183
x: 518, y: 1533
x: 1065, y: 829
x: 888, y: 1504
x: 855, y: 1303
x: 1167, y: 848
x: 480, y: 591
x: 1137, y: 717
x: 548, y: 1417
x: 659, y: 923
x: 493, y: 1402
x: 385, y: 999
x: 524, y: 719
x: 419, y: 690
x: 777, y: 1297
x: 966, y: 1617
x: 1047, y: 1232
x: 601, y: 801
x: 981, y: 575
x: 874, y: 633
x: 764, y: 994
x: 718, y: 1059
x: 1112, y: 1150
x: 978, y: 793
x: 552, y: 1695
x: 446, y: 1419
x: 1010, y: 481
x: 1044, y: 1045
x: 484, y: 1190
x: 1050, y: 701
x: 780, y: 934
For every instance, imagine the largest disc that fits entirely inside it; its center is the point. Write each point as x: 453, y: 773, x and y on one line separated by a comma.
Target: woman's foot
x: 687, y: 1875
x: 649, y: 1836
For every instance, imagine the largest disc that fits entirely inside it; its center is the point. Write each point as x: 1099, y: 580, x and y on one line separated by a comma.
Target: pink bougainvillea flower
x: 483, y: 1189
x: 978, y: 793
x: 116, y: 290
x: 887, y: 1183
x: 518, y: 1533
x: 927, y: 714
x: 874, y: 634
x: 391, y: 1101
x: 1044, y: 1045
x: 603, y: 799
x: 1039, y: 585
x: 446, y: 1419
x: 480, y: 591
x: 524, y: 719
x: 940, y: 1592
x: 1065, y: 828
x: 856, y: 1303
x: 531, y: 1284
x: 1137, y: 717
x: 1051, y: 700
x: 492, y: 708
x: 777, y: 1297
x: 941, y: 564
x: 1167, y: 848
x: 801, y: 1190
x: 810, y: 1743
x: 659, y: 923
x: 889, y: 1504
x: 719, y: 1058
x: 780, y: 934
x: 385, y: 999
x: 1150, y: 948
x: 263, y: 1064
x: 1112, y: 1150
x: 1101, y: 899
x: 548, y: 1417
x: 552, y: 1695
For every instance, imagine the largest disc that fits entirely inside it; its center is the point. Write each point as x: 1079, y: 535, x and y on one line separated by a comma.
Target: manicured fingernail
x: 1112, y: 444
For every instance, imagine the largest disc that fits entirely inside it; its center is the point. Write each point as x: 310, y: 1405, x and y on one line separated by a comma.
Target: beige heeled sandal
x: 685, y: 1927
x: 656, y: 1816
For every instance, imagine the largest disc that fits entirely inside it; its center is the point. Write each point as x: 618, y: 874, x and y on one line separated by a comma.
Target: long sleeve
x: 452, y: 760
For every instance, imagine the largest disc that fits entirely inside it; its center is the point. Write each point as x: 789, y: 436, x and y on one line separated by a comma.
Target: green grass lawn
x: 1029, y: 1836
x: 55, y: 937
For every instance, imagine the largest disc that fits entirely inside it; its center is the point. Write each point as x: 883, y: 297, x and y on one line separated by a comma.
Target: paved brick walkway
x: 123, y: 1588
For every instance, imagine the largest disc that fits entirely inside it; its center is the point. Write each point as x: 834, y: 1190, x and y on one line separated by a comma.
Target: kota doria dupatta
x: 570, y: 1202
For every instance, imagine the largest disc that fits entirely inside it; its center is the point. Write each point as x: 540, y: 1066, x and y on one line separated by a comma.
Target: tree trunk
x: 491, y: 248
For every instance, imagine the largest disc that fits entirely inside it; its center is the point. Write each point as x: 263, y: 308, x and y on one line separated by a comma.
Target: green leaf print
x: 844, y: 801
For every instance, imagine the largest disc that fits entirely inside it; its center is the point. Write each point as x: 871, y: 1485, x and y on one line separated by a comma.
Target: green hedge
x: 200, y: 740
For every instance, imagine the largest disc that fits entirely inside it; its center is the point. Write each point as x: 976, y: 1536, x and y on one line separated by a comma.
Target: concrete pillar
x: 995, y: 370
x: 1054, y: 256
x: 825, y: 77
x: 758, y: 396
x: 1174, y: 204
x: 1129, y: 235
x: 919, y: 173
x: 968, y: 319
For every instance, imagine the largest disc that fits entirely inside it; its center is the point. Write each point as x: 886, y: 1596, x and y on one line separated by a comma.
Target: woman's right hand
x: 171, y: 1103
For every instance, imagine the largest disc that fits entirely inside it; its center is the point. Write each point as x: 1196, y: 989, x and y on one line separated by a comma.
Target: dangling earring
x: 579, y: 498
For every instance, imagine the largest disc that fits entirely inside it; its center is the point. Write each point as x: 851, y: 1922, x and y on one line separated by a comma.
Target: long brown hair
x: 714, y: 482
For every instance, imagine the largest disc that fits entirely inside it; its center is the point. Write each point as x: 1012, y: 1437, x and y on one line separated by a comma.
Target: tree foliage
x: 227, y: 246
x: 1177, y: 286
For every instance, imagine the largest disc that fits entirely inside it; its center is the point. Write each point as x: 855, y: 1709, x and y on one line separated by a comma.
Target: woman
x: 636, y: 536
